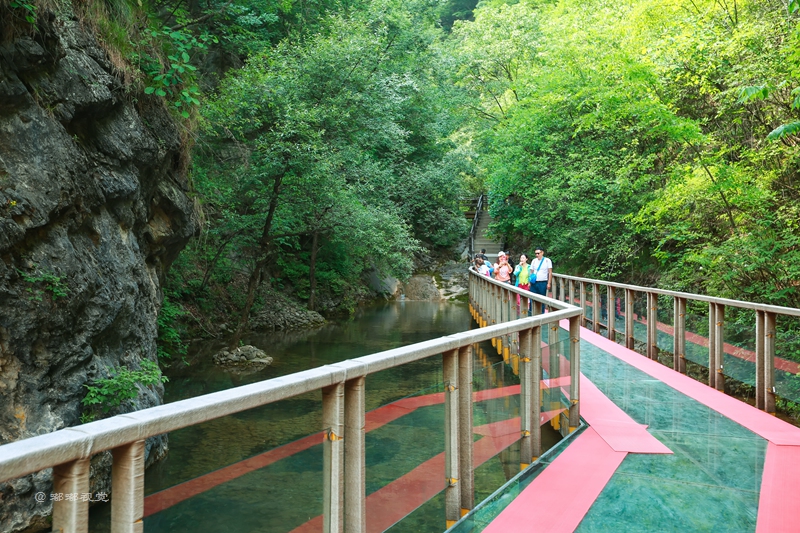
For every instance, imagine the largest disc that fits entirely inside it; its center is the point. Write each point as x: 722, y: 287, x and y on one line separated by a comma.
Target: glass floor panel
x: 710, y: 483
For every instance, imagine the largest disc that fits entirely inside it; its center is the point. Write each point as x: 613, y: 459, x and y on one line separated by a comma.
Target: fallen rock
x: 243, y: 355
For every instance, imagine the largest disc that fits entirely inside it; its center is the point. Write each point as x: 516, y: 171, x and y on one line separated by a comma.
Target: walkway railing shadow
x: 342, y: 386
x: 694, y: 328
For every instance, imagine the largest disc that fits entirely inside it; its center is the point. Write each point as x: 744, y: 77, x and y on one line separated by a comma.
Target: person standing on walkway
x: 522, y: 273
x: 502, y: 270
x: 542, y: 269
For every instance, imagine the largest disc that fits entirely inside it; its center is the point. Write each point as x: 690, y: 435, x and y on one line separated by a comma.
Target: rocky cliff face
x: 93, y: 209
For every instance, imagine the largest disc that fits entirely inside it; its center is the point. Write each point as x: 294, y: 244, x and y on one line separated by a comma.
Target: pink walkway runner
x: 780, y: 481
x: 581, y: 471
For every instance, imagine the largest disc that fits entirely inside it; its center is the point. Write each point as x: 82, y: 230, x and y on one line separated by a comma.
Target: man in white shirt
x: 542, y: 269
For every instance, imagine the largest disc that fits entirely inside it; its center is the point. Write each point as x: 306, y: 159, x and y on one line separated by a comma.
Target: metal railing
x: 475, y: 221
x: 69, y: 451
x: 765, y: 327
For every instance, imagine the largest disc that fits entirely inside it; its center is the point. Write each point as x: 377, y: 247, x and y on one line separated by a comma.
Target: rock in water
x: 243, y: 355
x: 421, y: 287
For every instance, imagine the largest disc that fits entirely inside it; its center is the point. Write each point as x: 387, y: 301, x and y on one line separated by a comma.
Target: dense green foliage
x: 122, y: 385
x: 634, y: 140
x: 645, y: 141
x: 323, y: 158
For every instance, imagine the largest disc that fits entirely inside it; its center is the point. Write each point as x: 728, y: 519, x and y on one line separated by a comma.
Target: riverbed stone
x: 280, y: 313
x: 243, y: 355
x: 421, y: 287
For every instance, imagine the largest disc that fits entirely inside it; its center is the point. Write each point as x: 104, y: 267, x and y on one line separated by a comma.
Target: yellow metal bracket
x: 331, y: 436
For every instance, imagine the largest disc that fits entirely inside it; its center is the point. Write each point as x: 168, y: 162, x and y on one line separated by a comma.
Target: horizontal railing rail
x: 789, y: 311
x: 69, y: 451
x: 574, y: 289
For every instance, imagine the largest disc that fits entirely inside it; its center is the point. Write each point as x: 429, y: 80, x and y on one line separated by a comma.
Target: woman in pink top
x: 502, y: 270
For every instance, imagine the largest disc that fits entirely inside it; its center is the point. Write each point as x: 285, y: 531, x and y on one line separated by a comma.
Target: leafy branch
x: 105, y: 394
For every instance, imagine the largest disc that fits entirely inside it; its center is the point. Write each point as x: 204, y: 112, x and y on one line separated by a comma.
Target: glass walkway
x: 729, y: 466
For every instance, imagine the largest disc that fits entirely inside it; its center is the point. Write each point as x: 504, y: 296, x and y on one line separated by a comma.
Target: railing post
x: 679, y: 335
x: 572, y: 292
x: 712, y: 345
x: 761, y: 390
x: 611, y: 312
x: 583, y: 303
x: 333, y: 458
x: 452, y: 489
x: 574, y: 372
x: 71, y: 515
x: 719, y: 347
x: 630, y: 339
x: 466, y: 467
x: 652, y: 310
x: 561, y: 295
x: 769, y: 361
x: 536, y: 394
x: 127, y: 488
x: 355, y: 518
x: 526, y: 423
x: 597, y: 307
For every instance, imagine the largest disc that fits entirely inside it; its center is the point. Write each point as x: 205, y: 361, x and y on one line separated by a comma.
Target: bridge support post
x: 630, y: 339
x: 355, y: 519
x: 611, y: 312
x: 719, y: 346
x: 679, y: 335
x: 761, y: 390
x: 769, y: 361
x: 652, y: 326
x: 127, y: 487
x: 583, y: 303
x: 526, y: 420
x: 465, y: 444
x: 71, y: 516
x: 597, y: 307
x: 333, y: 458
x: 712, y: 345
x: 572, y: 292
x: 574, y: 373
x: 452, y: 495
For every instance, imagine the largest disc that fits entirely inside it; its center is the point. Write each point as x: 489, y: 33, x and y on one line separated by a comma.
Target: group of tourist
x: 535, y: 276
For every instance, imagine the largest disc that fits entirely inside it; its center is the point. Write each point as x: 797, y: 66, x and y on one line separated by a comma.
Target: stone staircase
x: 481, y: 240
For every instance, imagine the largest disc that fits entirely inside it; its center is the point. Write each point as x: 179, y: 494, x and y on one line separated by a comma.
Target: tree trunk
x: 312, y: 270
x: 255, y: 276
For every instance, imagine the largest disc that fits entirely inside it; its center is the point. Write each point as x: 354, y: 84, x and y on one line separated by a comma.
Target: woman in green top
x: 522, y: 273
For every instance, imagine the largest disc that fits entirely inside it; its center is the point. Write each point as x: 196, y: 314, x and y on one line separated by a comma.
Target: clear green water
x: 288, y: 493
